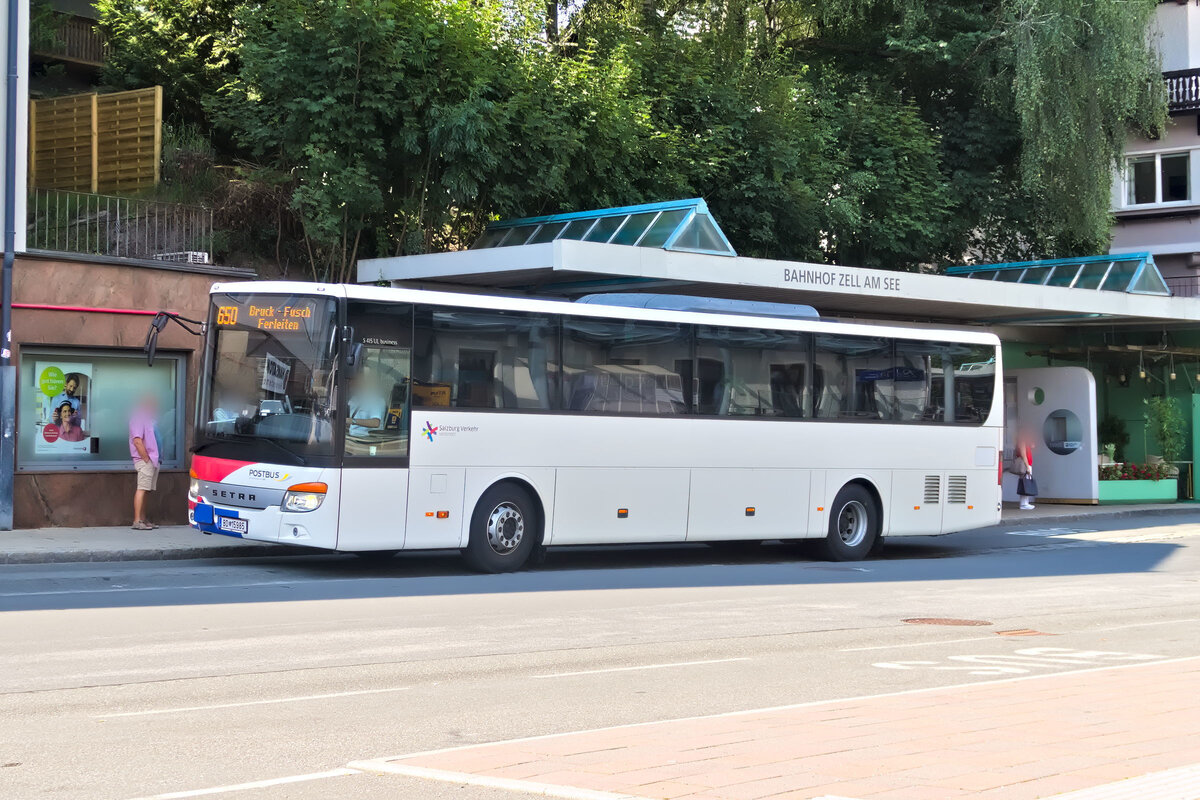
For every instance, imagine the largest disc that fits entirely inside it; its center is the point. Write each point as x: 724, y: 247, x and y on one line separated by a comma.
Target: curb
x: 1116, y: 513
x: 153, y: 554
x: 267, y: 549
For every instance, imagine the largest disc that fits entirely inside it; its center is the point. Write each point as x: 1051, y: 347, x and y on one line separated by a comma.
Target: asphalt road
x: 132, y: 680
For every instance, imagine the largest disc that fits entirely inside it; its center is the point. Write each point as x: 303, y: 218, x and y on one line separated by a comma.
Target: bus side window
x: 915, y: 401
x: 473, y: 358
x: 751, y: 372
x: 378, y: 394
x: 626, y: 367
x: 858, y: 377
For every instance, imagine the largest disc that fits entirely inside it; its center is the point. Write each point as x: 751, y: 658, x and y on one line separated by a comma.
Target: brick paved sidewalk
x: 1018, y: 739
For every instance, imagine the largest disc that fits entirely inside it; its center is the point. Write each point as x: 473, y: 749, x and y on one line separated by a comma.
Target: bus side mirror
x: 159, y: 322
x: 151, y: 346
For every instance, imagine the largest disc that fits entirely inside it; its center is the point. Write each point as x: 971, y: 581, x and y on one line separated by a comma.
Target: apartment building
x: 1156, y: 197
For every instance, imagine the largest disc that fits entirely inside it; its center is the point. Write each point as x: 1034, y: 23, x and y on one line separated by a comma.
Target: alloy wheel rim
x: 505, y: 528
x: 852, y: 523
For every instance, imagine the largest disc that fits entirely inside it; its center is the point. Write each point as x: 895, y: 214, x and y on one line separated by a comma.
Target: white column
x: 22, y: 119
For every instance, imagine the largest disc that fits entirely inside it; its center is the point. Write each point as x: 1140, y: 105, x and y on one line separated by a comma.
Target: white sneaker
x: 1027, y: 506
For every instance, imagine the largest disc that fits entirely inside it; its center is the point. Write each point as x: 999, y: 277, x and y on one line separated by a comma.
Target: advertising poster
x: 62, y: 391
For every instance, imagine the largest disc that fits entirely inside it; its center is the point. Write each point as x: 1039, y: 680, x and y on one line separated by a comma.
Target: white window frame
x: 1125, y: 182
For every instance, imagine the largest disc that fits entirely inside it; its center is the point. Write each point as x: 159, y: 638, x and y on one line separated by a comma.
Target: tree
x: 186, y: 46
x: 891, y: 133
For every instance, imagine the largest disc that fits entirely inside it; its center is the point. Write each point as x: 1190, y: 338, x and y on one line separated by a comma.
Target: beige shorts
x: 147, y: 475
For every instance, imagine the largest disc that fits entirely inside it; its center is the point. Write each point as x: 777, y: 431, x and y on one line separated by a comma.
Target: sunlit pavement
x: 1018, y: 662
x: 1114, y: 716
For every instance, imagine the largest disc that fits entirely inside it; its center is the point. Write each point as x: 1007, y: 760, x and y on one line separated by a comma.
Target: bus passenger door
x: 375, y: 415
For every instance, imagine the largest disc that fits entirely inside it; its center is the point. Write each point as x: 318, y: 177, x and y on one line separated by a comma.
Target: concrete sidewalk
x: 63, y: 545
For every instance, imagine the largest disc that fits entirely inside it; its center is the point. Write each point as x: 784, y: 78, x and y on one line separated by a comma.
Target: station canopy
x: 1133, y: 273
x: 684, y: 225
x: 677, y: 248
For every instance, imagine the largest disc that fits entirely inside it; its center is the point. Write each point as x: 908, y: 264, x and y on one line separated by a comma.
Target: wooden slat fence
x: 96, y: 142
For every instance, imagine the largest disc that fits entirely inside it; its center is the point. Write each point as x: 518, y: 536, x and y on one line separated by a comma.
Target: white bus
x: 372, y: 420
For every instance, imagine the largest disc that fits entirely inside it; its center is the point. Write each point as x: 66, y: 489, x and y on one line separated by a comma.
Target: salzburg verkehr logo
x: 430, y: 431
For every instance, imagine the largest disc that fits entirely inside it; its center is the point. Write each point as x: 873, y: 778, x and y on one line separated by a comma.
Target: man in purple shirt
x: 143, y: 449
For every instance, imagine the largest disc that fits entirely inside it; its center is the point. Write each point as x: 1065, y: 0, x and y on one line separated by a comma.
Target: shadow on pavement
x: 338, y: 576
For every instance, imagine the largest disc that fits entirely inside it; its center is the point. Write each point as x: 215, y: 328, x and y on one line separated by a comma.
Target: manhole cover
x: 944, y: 621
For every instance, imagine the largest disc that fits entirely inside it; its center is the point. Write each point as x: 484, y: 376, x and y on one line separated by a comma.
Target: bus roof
x: 553, y: 306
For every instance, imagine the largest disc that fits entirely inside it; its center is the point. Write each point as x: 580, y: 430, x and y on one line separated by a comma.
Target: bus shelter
x: 1087, y: 341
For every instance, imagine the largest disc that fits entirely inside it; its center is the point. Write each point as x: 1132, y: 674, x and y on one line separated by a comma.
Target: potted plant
x: 1164, y: 422
x: 1137, y: 483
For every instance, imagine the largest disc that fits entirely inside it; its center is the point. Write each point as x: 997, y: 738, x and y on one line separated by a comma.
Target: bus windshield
x: 271, y: 385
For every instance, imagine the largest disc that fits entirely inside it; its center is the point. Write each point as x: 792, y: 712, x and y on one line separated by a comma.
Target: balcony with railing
x: 77, y: 40
x: 1184, y: 286
x: 118, y: 227
x: 1183, y: 90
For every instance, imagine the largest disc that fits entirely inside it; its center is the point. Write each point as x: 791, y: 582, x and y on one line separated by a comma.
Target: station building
x: 1086, y: 341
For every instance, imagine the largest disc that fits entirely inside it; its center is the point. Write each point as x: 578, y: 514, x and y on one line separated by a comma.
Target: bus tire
x: 853, y: 525
x: 505, y: 530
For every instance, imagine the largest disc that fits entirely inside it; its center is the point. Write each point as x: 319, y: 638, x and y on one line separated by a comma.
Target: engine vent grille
x: 933, y: 489
x: 956, y: 489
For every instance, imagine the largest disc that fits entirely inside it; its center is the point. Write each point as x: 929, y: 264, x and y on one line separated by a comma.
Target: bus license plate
x: 233, y: 525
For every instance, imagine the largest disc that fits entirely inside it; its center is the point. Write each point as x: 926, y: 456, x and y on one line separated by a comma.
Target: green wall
x: 1128, y: 402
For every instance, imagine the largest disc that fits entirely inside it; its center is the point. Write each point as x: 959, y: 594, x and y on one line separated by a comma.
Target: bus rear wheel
x: 853, y: 525
x: 505, y: 529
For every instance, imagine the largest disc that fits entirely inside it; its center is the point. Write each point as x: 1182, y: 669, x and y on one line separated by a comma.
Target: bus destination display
x: 267, y: 317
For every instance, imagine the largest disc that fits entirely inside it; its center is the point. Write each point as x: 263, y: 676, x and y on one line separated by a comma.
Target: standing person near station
x: 143, y: 449
x: 1022, y: 467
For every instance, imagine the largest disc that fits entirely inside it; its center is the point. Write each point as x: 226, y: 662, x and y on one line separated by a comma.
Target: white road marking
x: 238, y: 787
x: 1020, y: 661
x: 916, y: 644
x: 1050, y: 531
x: 644, y: 666
x: 250, y: 703
x: 509, y: 784
x: 1119, y: 536
x: 1146, y: 624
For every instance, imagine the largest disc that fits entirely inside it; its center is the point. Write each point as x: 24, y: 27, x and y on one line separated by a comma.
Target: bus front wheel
x: 853, y: 525
x: 505, y: 530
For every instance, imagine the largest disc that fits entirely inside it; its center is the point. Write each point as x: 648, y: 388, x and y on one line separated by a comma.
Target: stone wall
x: 78, y: 497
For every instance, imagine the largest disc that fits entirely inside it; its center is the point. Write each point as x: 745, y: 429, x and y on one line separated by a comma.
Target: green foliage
x: 1081, y: 71
x: 888, y: 133
x: 1111, y: 428
x: 185, y: 46
x: 1164, y: 421
x: 43, y: 27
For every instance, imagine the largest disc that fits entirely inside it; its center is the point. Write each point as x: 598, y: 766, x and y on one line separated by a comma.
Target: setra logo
x: 430, y: 431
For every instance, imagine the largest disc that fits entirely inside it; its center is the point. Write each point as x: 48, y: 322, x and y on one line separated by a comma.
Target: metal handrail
x: 121, y: 227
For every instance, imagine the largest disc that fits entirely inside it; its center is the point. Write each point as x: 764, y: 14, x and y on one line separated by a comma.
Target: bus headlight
x: 193, y: 484
x: 304, y: 497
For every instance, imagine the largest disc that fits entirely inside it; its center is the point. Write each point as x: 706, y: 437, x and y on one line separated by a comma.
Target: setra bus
x: 372, y: 420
